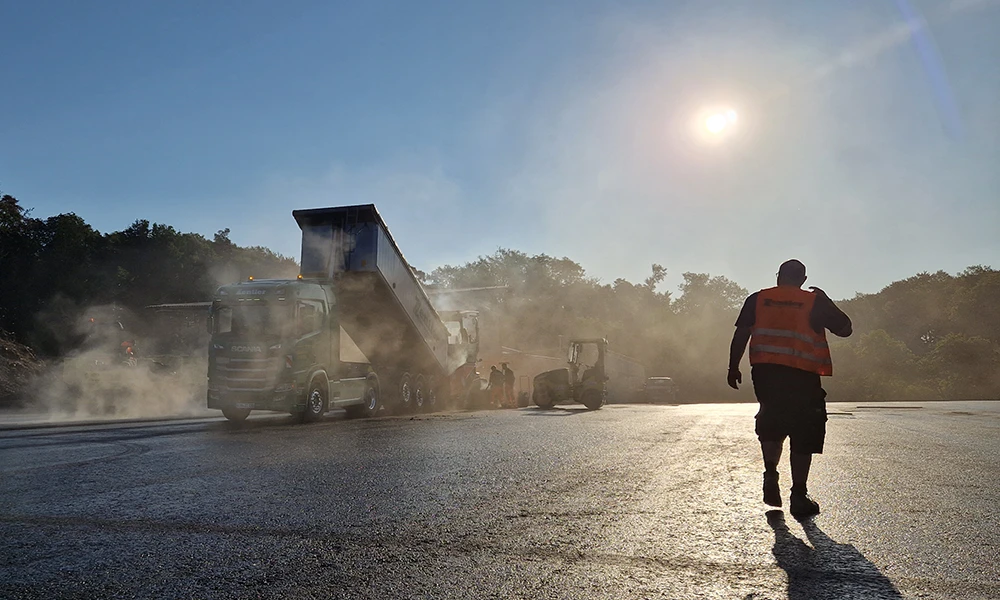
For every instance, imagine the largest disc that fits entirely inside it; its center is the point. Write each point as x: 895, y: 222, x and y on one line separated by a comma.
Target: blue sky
x: 866, y: 144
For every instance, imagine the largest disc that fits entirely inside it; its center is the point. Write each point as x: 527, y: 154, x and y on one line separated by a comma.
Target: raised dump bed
x: 381, y: 305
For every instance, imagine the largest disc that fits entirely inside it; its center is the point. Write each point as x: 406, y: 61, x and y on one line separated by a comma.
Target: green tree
x: 975, y: 309
x: 701, y: 291
x: 20, y: 244
x: 53, y: 269
x: 964, y: 367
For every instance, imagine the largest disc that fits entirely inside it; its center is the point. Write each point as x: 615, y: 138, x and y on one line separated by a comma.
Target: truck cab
x: 275, y: 346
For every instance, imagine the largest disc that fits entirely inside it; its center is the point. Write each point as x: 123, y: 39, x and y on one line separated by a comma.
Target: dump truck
x: 276, y: 344
x: 593, y: 375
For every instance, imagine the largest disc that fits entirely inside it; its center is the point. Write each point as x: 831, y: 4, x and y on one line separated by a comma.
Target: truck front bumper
x: 279, y: 399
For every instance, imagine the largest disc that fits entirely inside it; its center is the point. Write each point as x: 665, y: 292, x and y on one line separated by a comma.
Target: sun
x: 720, y: 122
x: 717, y: 125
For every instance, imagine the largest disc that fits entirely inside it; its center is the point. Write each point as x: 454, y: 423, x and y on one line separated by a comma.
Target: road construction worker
x: 508, y: 386
x: 786, y: 327
x: 495, y: 387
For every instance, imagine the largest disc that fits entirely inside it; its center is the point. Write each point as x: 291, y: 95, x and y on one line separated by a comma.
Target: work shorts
x: 792, y: 404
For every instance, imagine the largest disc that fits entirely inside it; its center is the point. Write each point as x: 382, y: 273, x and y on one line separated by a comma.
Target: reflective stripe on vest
x: 790, y: 351
x: 782, y: 333
x: 791, y: 334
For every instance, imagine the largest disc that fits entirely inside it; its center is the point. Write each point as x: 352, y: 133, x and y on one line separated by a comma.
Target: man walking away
x: 495, y: 386
x: 508, y: 386
x: 786, y: 327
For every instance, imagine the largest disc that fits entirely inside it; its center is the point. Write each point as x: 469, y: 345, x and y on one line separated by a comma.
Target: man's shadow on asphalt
x: 826, y: 570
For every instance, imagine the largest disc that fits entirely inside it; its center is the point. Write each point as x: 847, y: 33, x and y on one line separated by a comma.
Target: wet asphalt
x: 630, y: 501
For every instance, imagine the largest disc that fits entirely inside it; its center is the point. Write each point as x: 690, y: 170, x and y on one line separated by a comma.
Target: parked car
x: 659, y: 390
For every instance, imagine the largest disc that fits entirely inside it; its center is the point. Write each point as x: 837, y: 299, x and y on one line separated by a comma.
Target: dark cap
x: 792, y: 270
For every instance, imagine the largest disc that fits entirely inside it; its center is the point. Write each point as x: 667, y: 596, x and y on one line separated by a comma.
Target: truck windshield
x: 253, y: 319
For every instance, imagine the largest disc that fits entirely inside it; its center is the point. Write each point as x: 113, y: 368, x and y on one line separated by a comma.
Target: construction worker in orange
x: 495, y: 387
x: 508, y: 386
x: 786, y: 327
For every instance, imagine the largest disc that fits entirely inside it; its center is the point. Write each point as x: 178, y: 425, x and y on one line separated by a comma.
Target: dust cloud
x: 548, y: 302
x: 117, y: 364
x: 86, y: 387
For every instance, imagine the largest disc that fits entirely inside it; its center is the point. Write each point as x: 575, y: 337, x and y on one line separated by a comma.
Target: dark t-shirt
x: 824, y: 314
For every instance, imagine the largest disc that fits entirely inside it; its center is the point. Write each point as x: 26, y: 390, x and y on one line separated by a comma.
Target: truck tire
x: 431, y: 396
x: 404, y: 395
x: 373, y: 398
x: 593, y: 400
x: 316, y: 402
x: 419, y: 394
x: 236, y: 415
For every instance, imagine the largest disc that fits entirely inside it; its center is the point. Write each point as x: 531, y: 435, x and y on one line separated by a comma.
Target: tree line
x: 930, y: 336
x: 51, y: 269
x: 933, y: 336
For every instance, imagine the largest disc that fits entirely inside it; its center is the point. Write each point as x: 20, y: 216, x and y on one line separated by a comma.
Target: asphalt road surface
x: 626, y: 502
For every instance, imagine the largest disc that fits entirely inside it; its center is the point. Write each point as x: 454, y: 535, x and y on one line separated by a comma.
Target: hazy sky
x: 866, y: 142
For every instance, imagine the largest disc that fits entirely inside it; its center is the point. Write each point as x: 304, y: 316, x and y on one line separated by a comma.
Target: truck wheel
x: 404, y: 396
x: 431, y: 394
x: 592, y: 400
x: 236, y: 415
x: 373, y: 398
x: 420, y: 394
x: 315, y: 403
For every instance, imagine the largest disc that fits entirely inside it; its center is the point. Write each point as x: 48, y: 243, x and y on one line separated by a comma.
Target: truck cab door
x: 313, y: 348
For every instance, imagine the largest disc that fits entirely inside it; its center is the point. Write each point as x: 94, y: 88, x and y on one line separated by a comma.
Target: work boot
x: 772, y: 493
x: 803, y: 506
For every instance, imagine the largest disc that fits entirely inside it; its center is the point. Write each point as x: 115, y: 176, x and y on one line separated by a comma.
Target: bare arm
x: 736, y: 349
x: 740, y: 338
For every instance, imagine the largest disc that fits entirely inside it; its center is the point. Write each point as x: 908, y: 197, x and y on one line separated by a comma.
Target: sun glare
x: 716, y: 123
x: 720, y: 122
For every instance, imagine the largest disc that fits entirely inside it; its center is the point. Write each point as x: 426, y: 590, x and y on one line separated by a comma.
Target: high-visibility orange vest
x: 782, y: 335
